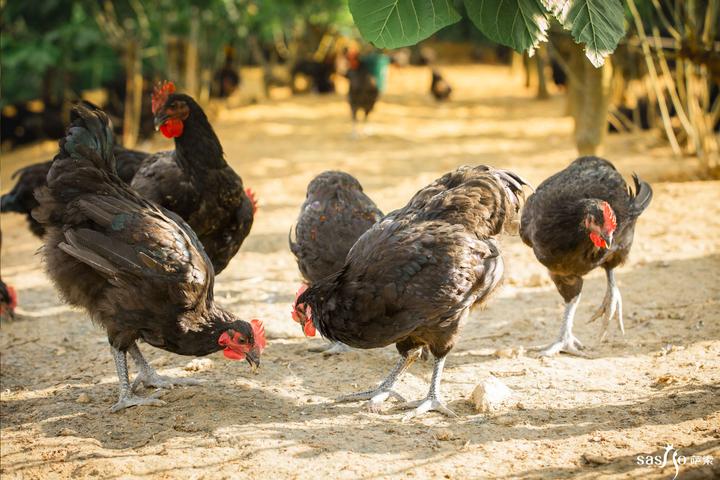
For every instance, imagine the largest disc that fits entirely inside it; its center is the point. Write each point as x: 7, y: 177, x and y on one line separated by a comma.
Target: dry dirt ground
x: 570, y: 417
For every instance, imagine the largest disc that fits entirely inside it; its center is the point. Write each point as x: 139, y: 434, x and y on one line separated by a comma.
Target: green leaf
x: 599, y: 24
x: 559, y: 8
x: 398, y: 23
x: 519, y: 24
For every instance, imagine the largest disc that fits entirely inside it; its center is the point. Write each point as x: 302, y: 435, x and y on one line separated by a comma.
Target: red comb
x: 609, y: 220
x: 160, y: 94
x: 294, y: 313
x: 251, y: 195
x: 258, y: 334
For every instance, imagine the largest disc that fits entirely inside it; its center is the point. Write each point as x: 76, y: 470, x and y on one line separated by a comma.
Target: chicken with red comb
x: 194, y: 180
x: 581, y: 218
x: 413, y: 277
x: 8, y: 297
x: 138, y: 269
x: 8, y: 301
x: 336, y: 212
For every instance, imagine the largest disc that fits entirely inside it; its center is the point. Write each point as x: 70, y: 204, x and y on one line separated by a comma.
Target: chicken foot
x: 567, y: 342
x: 378, y: 395
x: 127, y: 398
x: 148, y: 377
x: 331, y: 348
x: 612, y: 303
x: 433, y: 401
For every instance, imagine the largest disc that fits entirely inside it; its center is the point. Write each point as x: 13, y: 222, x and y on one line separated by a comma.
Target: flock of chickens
x: 137, y: 239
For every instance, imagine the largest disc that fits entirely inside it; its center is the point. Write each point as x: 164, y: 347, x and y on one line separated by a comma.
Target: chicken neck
x: 198, y: 149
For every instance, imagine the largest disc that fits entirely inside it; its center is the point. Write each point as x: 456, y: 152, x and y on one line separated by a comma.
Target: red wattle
x: 233, y: 355
x: 597, y: 240
x: 309, y: 328
x: 172, y: 128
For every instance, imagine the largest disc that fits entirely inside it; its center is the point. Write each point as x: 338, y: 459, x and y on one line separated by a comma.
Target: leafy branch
x: 519, y: 24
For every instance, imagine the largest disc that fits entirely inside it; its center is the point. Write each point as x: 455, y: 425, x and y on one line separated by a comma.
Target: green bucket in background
x: 377, y: 64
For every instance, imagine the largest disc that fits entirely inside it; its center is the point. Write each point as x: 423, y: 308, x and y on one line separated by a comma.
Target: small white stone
x: 83, y: 398
x: 490, y: 395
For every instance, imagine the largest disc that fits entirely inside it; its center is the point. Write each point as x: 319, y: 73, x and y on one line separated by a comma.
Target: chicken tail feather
x: 85, y: 162
x: 642, y: 196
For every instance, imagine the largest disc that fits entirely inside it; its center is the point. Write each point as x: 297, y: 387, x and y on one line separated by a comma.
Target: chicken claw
x: 376, y: 397
x: 127, y: 398
x: 612, y: 304
x: 425, y: 405
x: 384, y: 390
x: 151, y: 379
x: 433, y: 400
x: 569, y: 344
x: 132, y: 400
x: 148, y: 377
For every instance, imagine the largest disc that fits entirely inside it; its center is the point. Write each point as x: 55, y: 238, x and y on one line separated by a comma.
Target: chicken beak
x: 253, y: 358
x: 159, y: 119
x: 608, y: 240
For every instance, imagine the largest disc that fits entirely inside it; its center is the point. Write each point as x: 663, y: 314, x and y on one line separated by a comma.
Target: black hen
x: 335, y: 213
x: 138, y: 269
x: 21, y: 199
x: 8, y: 301
x: 413, y: 277
x: 194, y: 180
x: 8, y: 297
x: 581, y: 218
x: 363, y: 93
x: 439, y: 88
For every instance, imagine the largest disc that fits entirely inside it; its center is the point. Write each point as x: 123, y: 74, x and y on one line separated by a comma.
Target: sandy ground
x: 570, y: 417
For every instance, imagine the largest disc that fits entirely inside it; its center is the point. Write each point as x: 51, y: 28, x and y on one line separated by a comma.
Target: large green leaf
x: 398, y: 23
x: 520, y: 24
x: 599, y: 24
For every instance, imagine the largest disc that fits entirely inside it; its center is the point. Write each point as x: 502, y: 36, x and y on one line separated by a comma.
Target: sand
x: 570, y: 417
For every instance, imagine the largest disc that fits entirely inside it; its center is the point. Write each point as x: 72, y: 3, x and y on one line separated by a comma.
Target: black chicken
x: 8, y: 301
x: 413, y: 277
x: 335, y: 213
x: 138, y: 269
x: 8, y: 297
x: 581, y: 218
x: 194, y: 180
x: 363, y: 93
x: 21, y: 199
x: 439, y: 88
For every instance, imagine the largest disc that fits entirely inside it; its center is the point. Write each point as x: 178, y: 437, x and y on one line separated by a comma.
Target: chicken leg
x: 567, y: 342
x: 383, y: 391
x: 150, y: 378
x: 354, y: 135
x: 127, y: 398
x: 433, y: 401
x: 612, y: 303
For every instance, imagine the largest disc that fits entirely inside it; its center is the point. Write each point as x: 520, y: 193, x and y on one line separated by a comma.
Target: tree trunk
x: 590, y: 99
x: 133, y: 93
x: 516, y: 64
x: 205, y: 85
x: 191, y: 56
x: 174, y: 58
x: 541, y: 64
x: 529, y: 69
